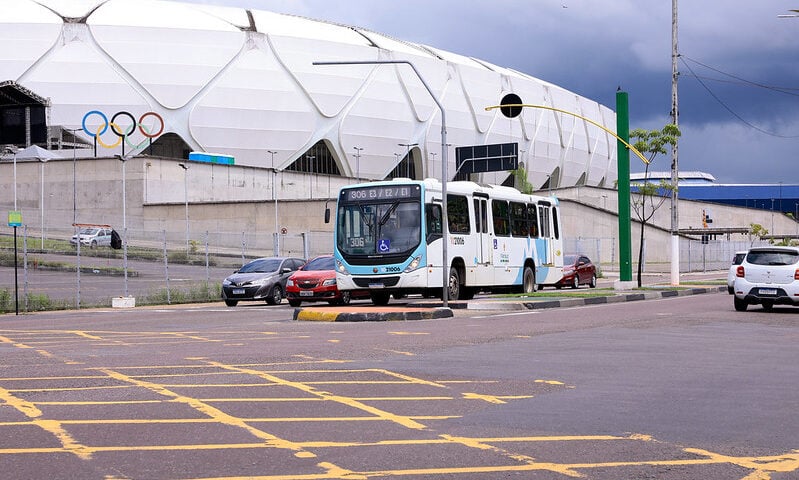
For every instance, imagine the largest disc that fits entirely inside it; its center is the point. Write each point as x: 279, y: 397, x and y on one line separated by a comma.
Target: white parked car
x: 767, y: 276
x: 736, y: 260
x: 93, y: 237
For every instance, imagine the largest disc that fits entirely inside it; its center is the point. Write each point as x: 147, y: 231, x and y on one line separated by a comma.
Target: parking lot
x: 636, y: 390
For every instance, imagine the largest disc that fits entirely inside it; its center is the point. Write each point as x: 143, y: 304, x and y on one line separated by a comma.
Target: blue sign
x: 384, y: 245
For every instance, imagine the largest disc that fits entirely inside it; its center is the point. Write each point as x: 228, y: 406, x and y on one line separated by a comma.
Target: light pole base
x: 123, y: 302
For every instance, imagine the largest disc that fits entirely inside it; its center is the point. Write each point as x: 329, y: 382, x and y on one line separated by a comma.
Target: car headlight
x: 329, y: 282
x: 415, y: 263
x: 289, y: 283
x: 226, y: 281
x: 340, y: 268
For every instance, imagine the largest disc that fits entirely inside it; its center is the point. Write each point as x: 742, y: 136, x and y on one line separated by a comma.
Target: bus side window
x: 499, y: 210
x: 555, y: 222
x: 433, y: 217
x: 458, y: 214
x: 532, y: 220
x: 518, y: 217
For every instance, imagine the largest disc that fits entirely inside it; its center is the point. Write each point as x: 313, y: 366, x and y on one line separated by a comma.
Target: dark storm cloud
x: 739, y: 75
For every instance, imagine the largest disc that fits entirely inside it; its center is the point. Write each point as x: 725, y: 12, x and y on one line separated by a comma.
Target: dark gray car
x: 261, y: 279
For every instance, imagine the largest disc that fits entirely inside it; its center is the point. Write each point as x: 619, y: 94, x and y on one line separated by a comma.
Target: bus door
x: 545, y: 222
x: 484, y: 249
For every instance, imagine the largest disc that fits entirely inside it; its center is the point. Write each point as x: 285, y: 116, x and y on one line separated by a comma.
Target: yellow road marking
x: 52, y: 426
x: 206, y: 409
x: 399, y: 419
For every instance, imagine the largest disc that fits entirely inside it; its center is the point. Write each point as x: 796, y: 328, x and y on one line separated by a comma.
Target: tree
x: 522, y: 184
x: 651, y: 196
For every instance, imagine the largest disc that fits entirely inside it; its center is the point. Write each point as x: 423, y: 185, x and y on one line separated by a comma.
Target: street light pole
x: 186, y: 199
x: 41, y: 200
x: 274, y: 197
x: 124, y: 160
x: 358, y: 162
x: 444, y: 174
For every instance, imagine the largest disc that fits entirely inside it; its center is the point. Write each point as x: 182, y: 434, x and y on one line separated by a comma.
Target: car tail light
x: 739, y: 272
x: 796, y: 274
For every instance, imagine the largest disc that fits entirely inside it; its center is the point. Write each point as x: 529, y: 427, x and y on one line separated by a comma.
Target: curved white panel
x: 237, y: 115
x: 27, y: 31
x: 172, y: 50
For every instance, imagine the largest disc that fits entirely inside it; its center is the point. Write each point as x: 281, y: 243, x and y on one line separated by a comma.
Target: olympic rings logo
x: 148, y: 132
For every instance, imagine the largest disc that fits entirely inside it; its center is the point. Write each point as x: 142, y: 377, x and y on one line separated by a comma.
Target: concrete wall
x: 235, y: 206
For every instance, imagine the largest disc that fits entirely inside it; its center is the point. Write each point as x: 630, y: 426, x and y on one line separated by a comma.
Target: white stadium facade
x: 242, y: 83
x: 158, y: 83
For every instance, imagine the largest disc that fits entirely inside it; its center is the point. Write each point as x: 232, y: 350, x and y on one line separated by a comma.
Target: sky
x: 738, y: 83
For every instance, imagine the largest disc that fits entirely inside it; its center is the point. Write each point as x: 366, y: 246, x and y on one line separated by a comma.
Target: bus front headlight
x: 340, y: 268
x: 415, y: 263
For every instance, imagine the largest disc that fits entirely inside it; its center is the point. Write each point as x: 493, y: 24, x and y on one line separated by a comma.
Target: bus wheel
x: 380, y: 298
x: 454, y: 287
x: 529, y: 284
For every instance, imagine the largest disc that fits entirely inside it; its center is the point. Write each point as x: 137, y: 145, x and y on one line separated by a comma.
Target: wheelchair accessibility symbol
x: 384, y: 245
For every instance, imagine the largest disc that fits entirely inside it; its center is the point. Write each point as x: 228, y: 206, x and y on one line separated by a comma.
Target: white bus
x: 388, y: 239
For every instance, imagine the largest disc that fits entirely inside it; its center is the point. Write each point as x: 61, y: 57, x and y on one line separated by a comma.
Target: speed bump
x: 369, y: 314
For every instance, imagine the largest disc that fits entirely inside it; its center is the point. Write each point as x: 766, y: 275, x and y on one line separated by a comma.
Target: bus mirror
x: 327, y: 214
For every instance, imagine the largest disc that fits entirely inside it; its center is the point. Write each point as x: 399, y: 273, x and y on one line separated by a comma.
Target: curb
x: 315, y: 315
x: 498, y: 305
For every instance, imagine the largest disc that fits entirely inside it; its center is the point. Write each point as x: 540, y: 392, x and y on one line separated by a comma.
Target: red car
x: 577, y: 270
x: 316, y: 281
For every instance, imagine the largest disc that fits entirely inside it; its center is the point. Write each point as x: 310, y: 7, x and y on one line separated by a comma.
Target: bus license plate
x: 768, y: 291
x: 306, y: 293
x: 238, y: 291
x: 376, y: 285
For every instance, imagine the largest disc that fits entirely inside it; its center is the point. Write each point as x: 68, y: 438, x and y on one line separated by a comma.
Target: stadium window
x: 318, y: 159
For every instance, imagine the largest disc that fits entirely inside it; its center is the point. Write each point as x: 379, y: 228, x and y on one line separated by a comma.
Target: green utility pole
x: 623, y: 168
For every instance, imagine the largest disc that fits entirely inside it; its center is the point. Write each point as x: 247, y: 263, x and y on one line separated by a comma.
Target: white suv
x: 767, y: 276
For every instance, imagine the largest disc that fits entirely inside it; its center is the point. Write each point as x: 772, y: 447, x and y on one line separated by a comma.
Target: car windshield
x: 772, y: 257
x: 569, y: 259
x: 320, y: 263
x: 88, y: 231
x: 262, y: 265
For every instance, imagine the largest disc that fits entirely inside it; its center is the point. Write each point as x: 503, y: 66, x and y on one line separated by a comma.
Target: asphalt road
x: 680, y: 388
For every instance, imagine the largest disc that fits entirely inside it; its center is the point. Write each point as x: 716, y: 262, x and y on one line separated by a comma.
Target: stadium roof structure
x: 169, y: 78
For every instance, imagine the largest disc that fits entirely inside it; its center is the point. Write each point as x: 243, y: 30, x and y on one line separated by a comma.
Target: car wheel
x: 398, y: 296
x: 295, y: 303
x: 275, y: 295
x: 576, y: 281
x: 740, y: 305
x: 540, y: 286
x: 93, y: 244
x: 767, y: 306
x: 454, y: 287
x: 528, y: 281
x: 730, y: 290
x: 593, y: 281
x: 558, y: 286
x: 380, y: 298
x: 231, y: 303
x: 345, y: 298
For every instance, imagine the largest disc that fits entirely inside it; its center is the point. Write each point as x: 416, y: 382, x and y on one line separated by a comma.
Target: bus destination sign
x: 381, y: 193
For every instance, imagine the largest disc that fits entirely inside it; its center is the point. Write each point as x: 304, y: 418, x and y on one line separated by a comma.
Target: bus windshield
x: 371, y: 229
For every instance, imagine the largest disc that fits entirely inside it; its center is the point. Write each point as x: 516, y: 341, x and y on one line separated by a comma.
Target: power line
x: 785, y: 90
x: 726, y: 107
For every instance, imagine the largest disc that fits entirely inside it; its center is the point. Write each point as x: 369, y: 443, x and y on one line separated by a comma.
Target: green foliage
x: 653, y: 142
x: 521, y: 182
